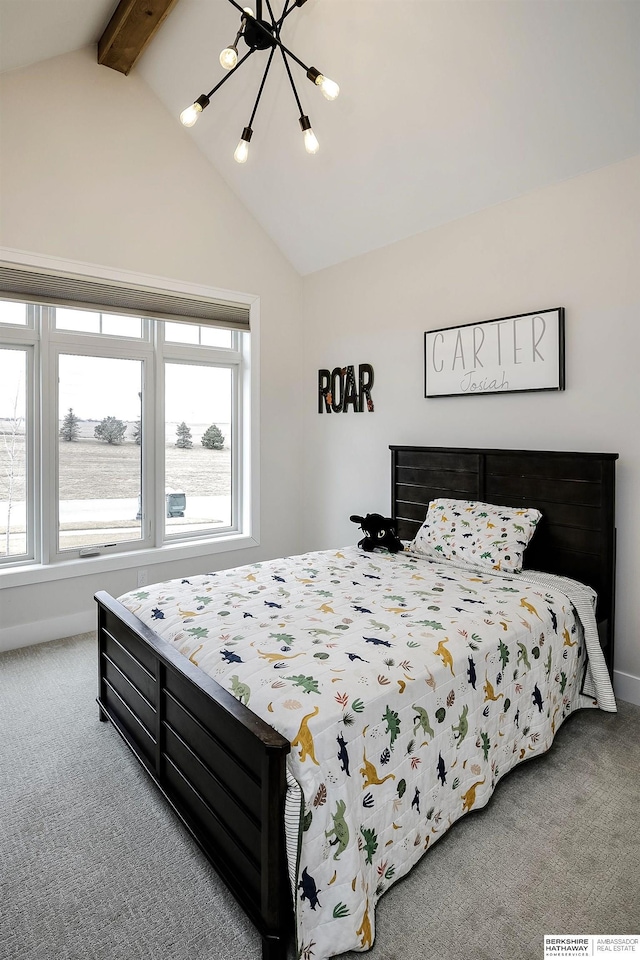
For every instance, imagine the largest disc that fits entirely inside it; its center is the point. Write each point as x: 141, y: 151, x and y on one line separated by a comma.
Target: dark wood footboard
x: 221, y: 768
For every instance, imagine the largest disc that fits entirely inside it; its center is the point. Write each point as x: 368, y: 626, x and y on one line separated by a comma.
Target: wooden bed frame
x: 222, y: 768
x: 575, y: 492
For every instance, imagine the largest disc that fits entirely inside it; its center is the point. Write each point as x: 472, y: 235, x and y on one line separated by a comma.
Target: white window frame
x: 48, y: 565
x: 25, y: 340
x: 90, y: 345
x: 215, y: 357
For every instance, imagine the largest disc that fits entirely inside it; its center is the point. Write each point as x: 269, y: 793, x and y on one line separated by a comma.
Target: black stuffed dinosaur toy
x: 379, y: 532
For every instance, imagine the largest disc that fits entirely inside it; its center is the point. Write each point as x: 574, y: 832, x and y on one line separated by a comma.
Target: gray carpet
x: 556, y: 851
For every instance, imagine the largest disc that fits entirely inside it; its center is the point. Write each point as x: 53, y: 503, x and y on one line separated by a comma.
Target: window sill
x: 86, y: 566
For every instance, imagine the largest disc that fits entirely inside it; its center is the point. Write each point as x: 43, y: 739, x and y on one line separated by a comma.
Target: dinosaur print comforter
x: 406, y: 687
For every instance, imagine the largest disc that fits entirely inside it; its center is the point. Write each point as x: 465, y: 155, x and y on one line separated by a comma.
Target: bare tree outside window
x: 137, y: 427
x: 111, y: 430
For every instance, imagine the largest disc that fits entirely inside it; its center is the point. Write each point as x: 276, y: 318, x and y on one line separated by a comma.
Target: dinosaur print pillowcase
x: 476, y: 534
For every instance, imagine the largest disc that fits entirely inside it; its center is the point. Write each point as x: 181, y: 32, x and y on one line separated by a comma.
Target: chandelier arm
x: 230, y: 73
x: 272, y: 38
x: 293, y: 86
x: 238, y: 35
x: 264, y: 78
x: 286, y: 11
x: 241, y: 9
x: 273, y: 19
x: 277, y: 23
x: 292, y: 55
x: 284, y: 51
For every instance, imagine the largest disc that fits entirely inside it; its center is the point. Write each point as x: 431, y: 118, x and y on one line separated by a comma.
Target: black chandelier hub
x: 258, y: 34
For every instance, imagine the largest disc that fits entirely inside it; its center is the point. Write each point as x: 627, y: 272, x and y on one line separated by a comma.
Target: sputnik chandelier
x: 260, y: 34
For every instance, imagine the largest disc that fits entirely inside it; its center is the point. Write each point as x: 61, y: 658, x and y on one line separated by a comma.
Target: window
x: 11, y: 312
x: 141, y: 438
x: 14, y: 536
x: 99, y: 460
x: 196, y: 333
x: 198, y: 445
x: 90, y: 321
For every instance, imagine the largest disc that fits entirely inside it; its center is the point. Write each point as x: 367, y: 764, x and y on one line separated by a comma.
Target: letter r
x: 324, y: 386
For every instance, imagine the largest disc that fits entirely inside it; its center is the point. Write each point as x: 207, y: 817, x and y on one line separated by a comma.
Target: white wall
x: 577, y: 245
x: 94, y: 169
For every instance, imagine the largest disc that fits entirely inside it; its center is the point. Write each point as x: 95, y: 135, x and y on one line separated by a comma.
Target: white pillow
x: 476, y: 534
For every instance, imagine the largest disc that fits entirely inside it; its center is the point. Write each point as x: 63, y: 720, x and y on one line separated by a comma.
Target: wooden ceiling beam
x: 130, y: 29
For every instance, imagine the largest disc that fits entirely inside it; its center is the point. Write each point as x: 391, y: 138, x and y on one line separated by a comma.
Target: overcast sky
x: 97, y: 387
x: 12, y: 379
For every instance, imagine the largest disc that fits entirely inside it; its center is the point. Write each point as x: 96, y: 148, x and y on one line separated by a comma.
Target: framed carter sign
x: 509, y: 355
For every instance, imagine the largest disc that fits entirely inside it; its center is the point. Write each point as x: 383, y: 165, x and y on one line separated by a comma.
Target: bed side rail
x: 220, y: 766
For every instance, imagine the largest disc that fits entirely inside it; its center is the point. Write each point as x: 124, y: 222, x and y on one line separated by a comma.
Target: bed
x: 229, y: 774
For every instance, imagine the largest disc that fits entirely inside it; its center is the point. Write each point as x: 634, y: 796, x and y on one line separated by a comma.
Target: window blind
x: 67, y: 290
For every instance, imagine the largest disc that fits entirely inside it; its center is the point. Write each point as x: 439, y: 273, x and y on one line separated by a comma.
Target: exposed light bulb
x: 229, y: 58
x: 249, y: 11
x: 241, y: 152
x: 189, y: 116
x: 329, y: 88
x: 311, y: 144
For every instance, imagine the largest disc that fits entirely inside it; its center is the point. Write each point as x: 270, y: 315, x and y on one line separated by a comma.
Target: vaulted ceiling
x: 446, y: 106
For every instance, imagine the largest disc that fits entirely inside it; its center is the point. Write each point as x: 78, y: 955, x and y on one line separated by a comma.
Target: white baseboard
x: 26, y: 634
x: 626, y: 687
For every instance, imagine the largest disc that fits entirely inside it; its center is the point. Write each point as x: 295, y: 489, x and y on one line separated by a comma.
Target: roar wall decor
x: 338, y: 389
x: 510, y: 355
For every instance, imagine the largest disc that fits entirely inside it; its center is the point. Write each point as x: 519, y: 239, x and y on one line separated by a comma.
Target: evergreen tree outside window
x: 183, y: 433
x: 212, y: 438
x: 70, y: 429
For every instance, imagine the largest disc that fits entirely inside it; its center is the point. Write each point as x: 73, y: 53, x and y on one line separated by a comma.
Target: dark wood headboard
x: 575, y: 492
